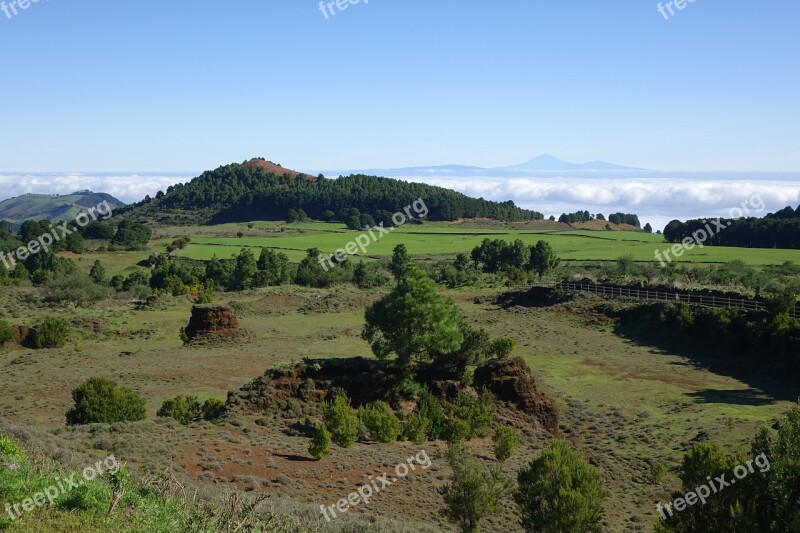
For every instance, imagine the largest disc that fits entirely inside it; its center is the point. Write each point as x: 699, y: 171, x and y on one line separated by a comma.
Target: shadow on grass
x: 751, y: 396
x: 298, y: 458
x: 770, y: 384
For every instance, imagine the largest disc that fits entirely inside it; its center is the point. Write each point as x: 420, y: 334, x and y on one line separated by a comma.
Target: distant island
x: 543, y: 163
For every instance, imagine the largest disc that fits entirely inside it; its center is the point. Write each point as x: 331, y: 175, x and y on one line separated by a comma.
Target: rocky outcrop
x: 511, y: 380
x: 209, y: 323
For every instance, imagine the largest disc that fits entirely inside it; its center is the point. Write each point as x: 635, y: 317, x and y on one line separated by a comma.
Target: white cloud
x: 128, y: 188
x: 655, y: 200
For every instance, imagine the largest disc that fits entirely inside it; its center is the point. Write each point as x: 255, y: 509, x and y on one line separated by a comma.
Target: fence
x: 659, y: 296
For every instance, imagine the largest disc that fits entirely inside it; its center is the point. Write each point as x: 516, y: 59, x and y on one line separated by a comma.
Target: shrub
x: 429, y: 409
x: 416, y: 429
x: 342, y: 422
x: 212, y: 408
x: 381, y: 422
x: 455, y: 430
x: 52, y: 333
x: 6, y: 334
x: 560, y: 491
x: 184, y: 409
x: 320, y: 445
x: 476, y: 412
x: 100, y: 400
x: 10, y: 449
x: 473, y: 491
x: 506, y: 442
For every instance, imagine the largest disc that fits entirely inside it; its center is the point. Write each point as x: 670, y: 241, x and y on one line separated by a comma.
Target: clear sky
x: 184, y: 85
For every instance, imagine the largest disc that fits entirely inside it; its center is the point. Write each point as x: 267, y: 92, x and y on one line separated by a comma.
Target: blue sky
x: 185, y: 86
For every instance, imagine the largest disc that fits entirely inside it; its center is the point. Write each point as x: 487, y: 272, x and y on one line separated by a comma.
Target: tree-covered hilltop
x: 254, y: 191
x: 775, y: 230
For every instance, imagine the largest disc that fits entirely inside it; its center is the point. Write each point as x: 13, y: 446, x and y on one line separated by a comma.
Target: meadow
x: 447, y: 240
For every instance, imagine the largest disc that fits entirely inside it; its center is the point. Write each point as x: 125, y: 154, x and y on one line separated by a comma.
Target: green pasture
x: 446, y: 240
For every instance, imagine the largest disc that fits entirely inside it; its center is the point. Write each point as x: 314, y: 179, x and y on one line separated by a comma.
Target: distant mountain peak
x: 546, y: 162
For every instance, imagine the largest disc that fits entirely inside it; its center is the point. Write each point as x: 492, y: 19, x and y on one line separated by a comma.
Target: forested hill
x: 260, y: 190
x: 775, y: 230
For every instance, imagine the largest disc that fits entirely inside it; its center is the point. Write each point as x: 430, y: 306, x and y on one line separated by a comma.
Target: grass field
x: 446, y: 240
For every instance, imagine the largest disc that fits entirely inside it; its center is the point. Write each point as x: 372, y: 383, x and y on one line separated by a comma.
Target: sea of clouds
x: 656, y: 200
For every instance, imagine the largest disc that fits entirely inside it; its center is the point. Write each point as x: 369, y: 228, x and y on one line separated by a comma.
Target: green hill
x: 261, y: 190
x: 52, y: 207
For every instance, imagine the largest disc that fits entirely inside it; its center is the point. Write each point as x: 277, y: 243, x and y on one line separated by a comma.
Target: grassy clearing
x: 445, y: 239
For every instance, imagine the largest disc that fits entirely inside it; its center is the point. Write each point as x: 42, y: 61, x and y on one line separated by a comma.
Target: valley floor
x: 623, y: 404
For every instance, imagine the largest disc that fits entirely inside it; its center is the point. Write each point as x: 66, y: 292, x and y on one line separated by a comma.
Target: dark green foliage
x: 273, y: 269
x: 369, y: 275
x: 506, y: 442
x: 320, y: 445
x: 131, y: 236
x: 401, y: 261
x: 477, y: 413
x: 75, y: 287
x: 766, y: 490
x: 243, y: 193
x: 74, y: 243
x: 98, y: 230
x: 773, y: 338
x: 136, y: 280
x: 779, y: 230
x: 381, y: 422
x: 342, y: 421
x: 623, y: 218
x: 543, y: 259
x: 560, y: 491
x: 98, y: 273
x: 311, y: 273
x: 416, y: 429
x: 6, y: 334
x: 245, y: 271
x: 51, y: 333
x: 184, y: 409
x: 99, y: 400
x: 219, y: 271
x: 413, y: 321
x: 429, y: 408
x: 473, y: 491
x: 572, y: 218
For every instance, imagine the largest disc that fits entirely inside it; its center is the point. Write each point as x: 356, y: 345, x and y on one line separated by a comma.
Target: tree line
x: 775, y: 230
x: 242, y: 193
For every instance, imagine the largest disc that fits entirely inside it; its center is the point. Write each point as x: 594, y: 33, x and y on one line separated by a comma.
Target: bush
x: 473, y: 491
x: 212, y: 408
x: 320, y: 445
x: 99, y: 400
x: 10, y: 449
x: 560, y: 491
x: 455, y: 430
x: 342, y: 422
x: 476, y: 412
x: 381, y: 422
x: 429, y: 409
x: 52, y: 333
x: 6, y: 334
x: 416, y: 429
x: 506, y: 442
x: 184, y: 409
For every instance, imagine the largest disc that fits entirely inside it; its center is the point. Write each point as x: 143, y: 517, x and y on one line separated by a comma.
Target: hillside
x: 261, y: 190
x: 52, y: 207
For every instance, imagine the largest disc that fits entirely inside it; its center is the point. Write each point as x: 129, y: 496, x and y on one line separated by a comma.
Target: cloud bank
x: 655, y: 200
